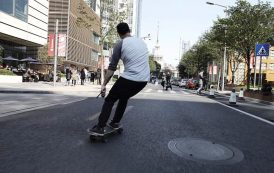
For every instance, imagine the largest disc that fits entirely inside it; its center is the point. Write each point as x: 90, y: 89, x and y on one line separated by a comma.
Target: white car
x: 183, y: 82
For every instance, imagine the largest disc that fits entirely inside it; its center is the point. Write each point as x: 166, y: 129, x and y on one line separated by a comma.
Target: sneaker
x: 97, y: 130
x: 114, y: 125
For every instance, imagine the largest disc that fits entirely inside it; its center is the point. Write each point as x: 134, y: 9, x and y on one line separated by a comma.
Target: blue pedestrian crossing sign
x: 262, y: 49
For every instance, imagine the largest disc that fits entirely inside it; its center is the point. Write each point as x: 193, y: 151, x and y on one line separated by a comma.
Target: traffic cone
x: 211, y: 92
x: 241, y: 94
x: 232, y: 98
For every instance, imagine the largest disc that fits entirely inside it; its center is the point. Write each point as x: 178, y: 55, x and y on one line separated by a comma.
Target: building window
x: 16, y: 8
x: 94, y: 55
x: 271, y: 66
x: 264, y: 66
x: 93, y: 5
x: 271, y: 54
x: 95, y: 39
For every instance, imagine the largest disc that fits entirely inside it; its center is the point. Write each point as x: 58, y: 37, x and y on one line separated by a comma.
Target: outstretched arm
x: 108, y: 76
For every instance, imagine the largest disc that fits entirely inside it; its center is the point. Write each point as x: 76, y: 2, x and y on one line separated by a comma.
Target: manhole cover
x: 205, y: 151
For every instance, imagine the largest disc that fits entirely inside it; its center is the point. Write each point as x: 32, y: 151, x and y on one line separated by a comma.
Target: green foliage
x: 109, y: 18
x: 244, y: 26
x: 6, y: 72
x: 152, y: 64
x: 43, y: 54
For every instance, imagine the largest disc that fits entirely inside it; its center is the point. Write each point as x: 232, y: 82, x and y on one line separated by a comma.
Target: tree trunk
x: 248, y: 68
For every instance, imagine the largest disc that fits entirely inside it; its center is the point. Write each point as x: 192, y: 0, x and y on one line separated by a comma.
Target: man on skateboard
x: 134, y: 54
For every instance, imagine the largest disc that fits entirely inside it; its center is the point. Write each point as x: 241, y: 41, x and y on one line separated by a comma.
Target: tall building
x: 23, y: 27
x: 157, y: 52
x: 133, y: 10
x: 80, y: 25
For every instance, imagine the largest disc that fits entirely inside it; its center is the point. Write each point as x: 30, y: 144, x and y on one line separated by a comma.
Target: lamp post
x: 147, y: 37
x: 224, y: 63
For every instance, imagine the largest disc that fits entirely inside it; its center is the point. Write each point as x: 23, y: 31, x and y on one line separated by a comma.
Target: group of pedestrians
x: 73, y: 75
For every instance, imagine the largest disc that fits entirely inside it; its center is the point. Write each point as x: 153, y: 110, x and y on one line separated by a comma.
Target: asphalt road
x: 54, y: 139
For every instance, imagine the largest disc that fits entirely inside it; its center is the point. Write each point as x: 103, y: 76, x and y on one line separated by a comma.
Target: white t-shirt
x: 134, y: 54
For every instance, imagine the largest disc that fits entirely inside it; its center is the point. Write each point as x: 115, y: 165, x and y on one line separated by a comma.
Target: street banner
x: 51, y: 44
x: 214, y: 69
x: 62, y: 43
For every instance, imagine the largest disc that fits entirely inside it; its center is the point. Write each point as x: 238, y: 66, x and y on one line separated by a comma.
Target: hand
x: 103, y: 90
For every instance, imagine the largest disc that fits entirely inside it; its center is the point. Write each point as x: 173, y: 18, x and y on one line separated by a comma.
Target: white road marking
x: 185, y: 92
x: 159, y: 91
x: 172, y: 92
x: 27, y: 109
x: 148, y: 90
x: 246, y: 113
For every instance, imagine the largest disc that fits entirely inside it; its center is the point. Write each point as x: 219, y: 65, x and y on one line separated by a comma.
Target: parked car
x: 192, y: 84
x: 183, y: 82
x: 175, y: 81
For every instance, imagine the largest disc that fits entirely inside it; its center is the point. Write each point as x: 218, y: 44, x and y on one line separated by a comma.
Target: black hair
x: 122, y: 28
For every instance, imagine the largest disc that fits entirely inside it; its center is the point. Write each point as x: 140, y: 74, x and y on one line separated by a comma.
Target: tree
x: 43, y: 54
x: 45, y: 59
x: 246, y: 25
x: 152, y: 64
x: 109, y: 18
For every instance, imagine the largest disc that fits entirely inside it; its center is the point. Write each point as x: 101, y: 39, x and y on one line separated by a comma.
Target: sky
x: 185, y: 19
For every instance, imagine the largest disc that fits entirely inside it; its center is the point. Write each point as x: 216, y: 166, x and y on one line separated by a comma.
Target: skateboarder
x: 134, y: 54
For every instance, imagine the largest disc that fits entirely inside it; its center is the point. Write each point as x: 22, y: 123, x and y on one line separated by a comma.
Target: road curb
x: 26, y: 92
x: 251, y: 99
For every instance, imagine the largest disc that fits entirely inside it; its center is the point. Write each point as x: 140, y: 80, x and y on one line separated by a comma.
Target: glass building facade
x: 15, y: 8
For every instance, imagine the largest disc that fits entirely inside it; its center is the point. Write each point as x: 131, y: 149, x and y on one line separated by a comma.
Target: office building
x: 23, y: 27
x: 80, y: 25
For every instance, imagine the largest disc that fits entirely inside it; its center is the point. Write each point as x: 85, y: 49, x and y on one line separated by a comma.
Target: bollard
x: 241, y: 94
x: 233, y: 99
x: 211, y: 92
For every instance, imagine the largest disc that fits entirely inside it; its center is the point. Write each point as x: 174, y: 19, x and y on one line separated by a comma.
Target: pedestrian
x: 92, y: 76
x: 83, y: 76
x: 86, y: 74
x: 200, y: 82
x: 134, y: 54
x: 163, y: 83
x: 98, y: 77
x: 74, y: 76
x: 68, y: 75
x: 168, y: 83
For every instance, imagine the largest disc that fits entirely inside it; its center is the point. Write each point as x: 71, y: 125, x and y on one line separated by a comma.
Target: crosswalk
x: 149, y: 90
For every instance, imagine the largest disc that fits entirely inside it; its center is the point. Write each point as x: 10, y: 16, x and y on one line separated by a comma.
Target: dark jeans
x: 122, y: 90
x: 82, y: 81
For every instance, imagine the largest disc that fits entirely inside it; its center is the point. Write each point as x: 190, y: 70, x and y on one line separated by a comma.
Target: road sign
x: 262, y: 49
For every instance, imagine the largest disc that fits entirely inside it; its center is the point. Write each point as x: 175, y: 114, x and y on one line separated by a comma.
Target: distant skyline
x: 177, y: 19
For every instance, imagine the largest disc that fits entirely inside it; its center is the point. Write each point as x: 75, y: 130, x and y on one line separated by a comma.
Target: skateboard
x: 102, y: 137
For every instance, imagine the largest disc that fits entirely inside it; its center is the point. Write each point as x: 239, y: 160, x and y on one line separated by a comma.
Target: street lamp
x: 147, y: 37
x: 224, y: 63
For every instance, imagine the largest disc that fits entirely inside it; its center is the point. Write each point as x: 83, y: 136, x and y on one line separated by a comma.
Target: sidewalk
x: 48, y: 88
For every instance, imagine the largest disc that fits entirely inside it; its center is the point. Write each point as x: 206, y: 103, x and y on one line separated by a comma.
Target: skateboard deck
x: 102, y: 137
